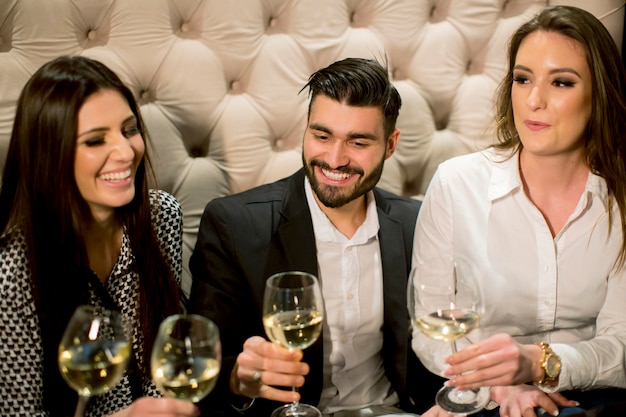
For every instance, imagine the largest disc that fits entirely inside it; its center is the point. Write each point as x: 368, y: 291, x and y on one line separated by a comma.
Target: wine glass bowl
x: 445, y: 303
x: 292, y: 317
x: 94, y: 352
x: 186, y: 357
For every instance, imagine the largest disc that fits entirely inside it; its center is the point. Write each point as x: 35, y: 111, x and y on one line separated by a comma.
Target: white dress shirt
x: 562, y: 290
x: 350, y: 273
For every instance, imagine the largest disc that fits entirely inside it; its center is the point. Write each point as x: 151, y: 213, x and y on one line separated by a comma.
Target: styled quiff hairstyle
x: 358, y: 82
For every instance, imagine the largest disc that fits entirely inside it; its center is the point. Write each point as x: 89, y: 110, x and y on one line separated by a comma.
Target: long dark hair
x: 40, y: 198
x: 605, y: 139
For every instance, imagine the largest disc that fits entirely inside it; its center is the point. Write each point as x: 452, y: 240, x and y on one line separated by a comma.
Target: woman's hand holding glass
x: 500, y: 358
x: 445, y: 303
x: 186, y: 357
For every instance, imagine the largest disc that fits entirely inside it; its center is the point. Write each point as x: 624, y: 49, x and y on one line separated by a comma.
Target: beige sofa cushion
x: 218, y: 80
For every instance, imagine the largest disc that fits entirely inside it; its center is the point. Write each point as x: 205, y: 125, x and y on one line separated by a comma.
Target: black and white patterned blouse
x: 20, y: 339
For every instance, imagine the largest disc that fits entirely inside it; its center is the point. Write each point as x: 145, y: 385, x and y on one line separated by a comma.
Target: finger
x: 529, y: 412
x: 561, y: 400
x: 261, y: 347
x: 253, y: 372
x: 166, y: 406
x: 497, y: 375
x: 275, y: 394
x: 545, y: 402
x: 249, y: 365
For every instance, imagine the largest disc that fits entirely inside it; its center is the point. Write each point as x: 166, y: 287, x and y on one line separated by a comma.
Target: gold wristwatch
x: 550, y: 365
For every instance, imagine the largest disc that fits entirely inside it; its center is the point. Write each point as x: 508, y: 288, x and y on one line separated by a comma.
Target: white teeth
x: 337, y: 176
x: 116, y: 176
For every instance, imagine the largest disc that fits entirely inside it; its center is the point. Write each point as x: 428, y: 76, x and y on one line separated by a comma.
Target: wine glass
x: 186, y: 357
x: 292, y: 316
x: 445, y: 303
x: 94, y: 352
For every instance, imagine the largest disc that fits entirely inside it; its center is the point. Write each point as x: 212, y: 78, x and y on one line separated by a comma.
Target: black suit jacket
x: 245, y: 238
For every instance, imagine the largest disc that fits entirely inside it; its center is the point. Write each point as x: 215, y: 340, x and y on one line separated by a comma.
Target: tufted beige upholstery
x: 218, y: 80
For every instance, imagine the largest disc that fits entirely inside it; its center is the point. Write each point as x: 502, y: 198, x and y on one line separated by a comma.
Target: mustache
x: 346, y: 169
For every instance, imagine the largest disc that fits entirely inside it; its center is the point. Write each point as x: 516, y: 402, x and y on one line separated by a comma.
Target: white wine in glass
x: 292, y: 317
x: 445, y: 303
x: 186, y: 357
x: 94, y: 352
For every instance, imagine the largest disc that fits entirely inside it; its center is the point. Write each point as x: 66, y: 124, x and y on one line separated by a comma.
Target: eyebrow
x: 104, y: 129
x: 552, y: 71
x: 352, y: 135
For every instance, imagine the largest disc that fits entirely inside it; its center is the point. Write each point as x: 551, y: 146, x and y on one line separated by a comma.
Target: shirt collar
x: 505, y: 178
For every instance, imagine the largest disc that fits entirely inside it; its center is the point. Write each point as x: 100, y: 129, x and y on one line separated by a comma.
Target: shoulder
x: 263, y: 194
x: 385, y: 198
x: 471, y: 167
x: 165, y: 204
x: 12, y: 247
x: 13, y: 264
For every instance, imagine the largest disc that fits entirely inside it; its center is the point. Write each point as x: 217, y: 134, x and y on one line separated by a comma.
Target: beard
x: 333, y: 196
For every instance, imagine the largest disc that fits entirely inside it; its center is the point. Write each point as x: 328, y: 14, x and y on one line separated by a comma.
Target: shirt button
x: 350, y: 296
x: 344, y: 340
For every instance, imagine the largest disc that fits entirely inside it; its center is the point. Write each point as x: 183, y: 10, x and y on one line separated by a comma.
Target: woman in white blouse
x: 542, y: 217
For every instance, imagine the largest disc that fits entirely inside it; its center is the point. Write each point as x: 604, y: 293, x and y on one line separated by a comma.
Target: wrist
x: 536, y: 358
x: 550, y: 365
x: 237, y: 400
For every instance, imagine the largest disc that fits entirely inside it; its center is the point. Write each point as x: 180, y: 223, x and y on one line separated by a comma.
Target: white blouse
x: 562, y: 290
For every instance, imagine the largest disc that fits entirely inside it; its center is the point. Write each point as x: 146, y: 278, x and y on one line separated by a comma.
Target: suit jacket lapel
x: 295, y: 249
x: 395, y: 275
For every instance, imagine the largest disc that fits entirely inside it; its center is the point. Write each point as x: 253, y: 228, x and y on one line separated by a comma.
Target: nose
x: 122, y: 149
x: 536, y: 99
x: 337, y: 155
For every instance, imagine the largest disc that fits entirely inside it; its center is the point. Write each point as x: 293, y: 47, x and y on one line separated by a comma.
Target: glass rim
x: 313, y: 279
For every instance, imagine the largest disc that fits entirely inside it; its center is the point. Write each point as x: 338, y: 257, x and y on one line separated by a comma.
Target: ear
x: 392, y: 142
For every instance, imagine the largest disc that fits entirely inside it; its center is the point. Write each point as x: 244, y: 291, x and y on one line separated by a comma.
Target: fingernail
x: 576, y: 404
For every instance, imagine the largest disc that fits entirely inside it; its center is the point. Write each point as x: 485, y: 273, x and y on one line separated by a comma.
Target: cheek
x: 576, y: 111
x: 139, y: 147
x: 518, y: 107
x: 310, y: 148
x: 85, y: 165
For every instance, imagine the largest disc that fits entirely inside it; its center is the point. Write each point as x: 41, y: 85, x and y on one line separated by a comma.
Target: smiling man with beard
x: 330, y: 220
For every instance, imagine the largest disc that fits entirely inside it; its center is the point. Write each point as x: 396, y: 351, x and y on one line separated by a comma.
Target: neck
x: 552, y: 173
x: 347, y: 218
x: 103, y: 240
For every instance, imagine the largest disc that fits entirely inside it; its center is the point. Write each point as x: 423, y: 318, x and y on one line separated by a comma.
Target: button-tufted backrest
x: 218, y: 80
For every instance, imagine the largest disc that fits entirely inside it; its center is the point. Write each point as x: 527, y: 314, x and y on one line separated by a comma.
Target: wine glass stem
x: 80, y: 406
x: 294, y: 404
x: 453, y: 346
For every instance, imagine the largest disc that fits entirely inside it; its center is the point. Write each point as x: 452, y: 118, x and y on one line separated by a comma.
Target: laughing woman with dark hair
x: 80, y: 225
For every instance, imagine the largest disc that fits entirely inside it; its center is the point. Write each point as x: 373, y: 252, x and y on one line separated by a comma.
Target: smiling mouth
x: 116, y: 176
x: 336, y: 175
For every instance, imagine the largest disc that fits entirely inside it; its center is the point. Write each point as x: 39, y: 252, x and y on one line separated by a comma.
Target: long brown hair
x: 39, y: 196
x: 605, y: 138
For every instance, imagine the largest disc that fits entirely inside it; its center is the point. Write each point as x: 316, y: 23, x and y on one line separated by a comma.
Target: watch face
x: 553, y: 366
